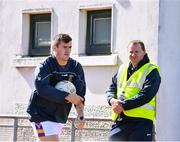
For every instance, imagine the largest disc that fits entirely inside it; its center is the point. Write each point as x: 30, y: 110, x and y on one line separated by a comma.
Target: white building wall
x: 168, y: 112
x: 131, y: 20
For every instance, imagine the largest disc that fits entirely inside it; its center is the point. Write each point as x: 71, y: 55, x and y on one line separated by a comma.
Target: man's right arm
x: 116, y: 104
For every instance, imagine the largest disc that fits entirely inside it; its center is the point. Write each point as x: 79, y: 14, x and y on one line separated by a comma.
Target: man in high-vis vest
x: 131, y: 95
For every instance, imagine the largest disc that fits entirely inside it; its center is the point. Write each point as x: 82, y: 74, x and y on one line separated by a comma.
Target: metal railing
x: 15, y: 125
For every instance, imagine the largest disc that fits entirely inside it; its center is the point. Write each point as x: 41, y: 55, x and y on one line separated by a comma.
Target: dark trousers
x: 140, y: 130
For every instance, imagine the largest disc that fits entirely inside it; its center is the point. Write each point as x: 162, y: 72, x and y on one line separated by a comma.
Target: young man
x: 132, y: 96
x: 49, y: 107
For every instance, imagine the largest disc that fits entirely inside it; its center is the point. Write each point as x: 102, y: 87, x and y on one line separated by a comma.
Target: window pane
x: 42, y: 34
x: 102, y: 31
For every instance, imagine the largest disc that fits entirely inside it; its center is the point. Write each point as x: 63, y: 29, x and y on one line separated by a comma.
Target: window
x: 40, y: 34
x: 98, y: 39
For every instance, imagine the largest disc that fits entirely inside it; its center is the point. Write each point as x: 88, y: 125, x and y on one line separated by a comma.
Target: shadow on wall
x: 98, y: 78
x: 124, y: 3
x: 1, y: 66
x: 28, y: 75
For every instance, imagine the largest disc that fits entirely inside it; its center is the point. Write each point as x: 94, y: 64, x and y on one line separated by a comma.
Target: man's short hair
x: 62, y: 38
x: 134, y: 42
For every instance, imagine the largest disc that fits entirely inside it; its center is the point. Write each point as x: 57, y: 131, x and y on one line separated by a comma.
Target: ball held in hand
x: 66, y: 86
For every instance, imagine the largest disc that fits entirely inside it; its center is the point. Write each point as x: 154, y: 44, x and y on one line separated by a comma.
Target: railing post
x: 73, y: 129
x: 15, y: 127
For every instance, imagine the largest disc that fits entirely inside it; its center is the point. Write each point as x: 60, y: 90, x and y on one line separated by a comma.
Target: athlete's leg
x: 47, y: 131
x: 53, y: 138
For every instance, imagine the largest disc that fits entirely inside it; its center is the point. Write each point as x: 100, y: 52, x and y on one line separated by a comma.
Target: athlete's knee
x: 53, y: 138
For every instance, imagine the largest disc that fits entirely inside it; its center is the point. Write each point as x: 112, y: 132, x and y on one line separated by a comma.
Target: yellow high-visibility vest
x: 129, y: 88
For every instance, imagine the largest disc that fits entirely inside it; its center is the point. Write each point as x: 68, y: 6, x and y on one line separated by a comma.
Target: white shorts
x: 47, y: 128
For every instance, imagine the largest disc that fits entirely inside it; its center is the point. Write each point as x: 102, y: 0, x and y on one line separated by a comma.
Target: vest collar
x: 131, y: 69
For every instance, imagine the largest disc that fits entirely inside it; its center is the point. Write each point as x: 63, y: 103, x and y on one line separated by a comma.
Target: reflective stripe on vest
x: 129, y: 88
x: 146, y: 106
x: 140, y: 84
